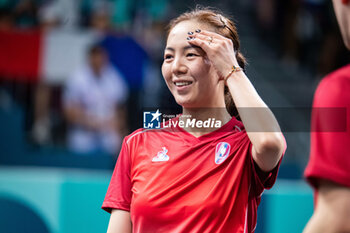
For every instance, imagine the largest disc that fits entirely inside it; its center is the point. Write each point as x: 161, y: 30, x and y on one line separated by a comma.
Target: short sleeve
x: 261, y: 180
x: 119, y: 191
x: 330, y: 137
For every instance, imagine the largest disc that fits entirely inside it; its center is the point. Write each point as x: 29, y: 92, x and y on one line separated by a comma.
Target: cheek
x: 202, y: 68
x: 166, y: 73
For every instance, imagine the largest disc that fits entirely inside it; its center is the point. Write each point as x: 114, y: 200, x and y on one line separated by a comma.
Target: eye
x: 167, y: 57
x: 191, y: 55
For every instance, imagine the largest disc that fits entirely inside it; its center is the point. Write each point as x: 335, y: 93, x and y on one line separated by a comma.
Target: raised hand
x: 219, y: 50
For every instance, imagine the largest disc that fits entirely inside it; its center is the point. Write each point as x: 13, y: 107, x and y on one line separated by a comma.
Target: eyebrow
x: 185, y: 48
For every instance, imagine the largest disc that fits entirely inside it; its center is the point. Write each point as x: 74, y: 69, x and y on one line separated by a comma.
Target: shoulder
x: 335, y: 80
x: 142, y: 134
x: 78, y: 77
x: 113, y: 71
x: 137, y: 133
x: 115, y: 77
x: 332, y: 90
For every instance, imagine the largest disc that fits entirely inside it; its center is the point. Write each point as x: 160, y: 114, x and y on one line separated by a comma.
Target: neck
x: 96, y: 70
x: 203, y: 114
x: 97, y: 73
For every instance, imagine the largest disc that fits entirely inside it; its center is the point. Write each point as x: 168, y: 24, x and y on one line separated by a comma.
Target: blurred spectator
x: 100, y: 18
x: 26, y: 14
x: 301, y: 28
x: 100, y: 21
x: 62, y: 13
x: 52, y: 16
x: 49, y: 19
x: 93, y: 105
x: 6, y: 20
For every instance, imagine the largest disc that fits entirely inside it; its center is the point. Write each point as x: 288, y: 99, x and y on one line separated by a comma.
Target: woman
x: 328, y: 168
x: 184, y: 179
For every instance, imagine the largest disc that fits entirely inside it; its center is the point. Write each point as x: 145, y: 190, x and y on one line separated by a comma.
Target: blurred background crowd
x: 80, y: 72
x: 76, y: 75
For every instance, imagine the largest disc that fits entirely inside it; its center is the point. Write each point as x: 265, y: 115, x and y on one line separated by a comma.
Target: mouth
x: 182, y: 83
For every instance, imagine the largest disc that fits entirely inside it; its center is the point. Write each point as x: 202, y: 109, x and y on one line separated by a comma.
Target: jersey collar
x: 228, y: 128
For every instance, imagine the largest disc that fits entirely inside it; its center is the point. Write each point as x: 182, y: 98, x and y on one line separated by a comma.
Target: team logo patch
x: 161, y: 156
x: 221, y: 152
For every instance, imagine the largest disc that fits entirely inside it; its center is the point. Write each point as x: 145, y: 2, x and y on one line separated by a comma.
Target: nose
x: 179, y: 66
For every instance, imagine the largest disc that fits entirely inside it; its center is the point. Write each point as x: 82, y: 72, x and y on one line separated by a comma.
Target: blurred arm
x: 76, y: 115
x: 332, y: 213
x: 119, y: 222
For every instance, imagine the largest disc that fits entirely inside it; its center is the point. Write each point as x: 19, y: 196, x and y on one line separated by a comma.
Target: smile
x: 182, y: 83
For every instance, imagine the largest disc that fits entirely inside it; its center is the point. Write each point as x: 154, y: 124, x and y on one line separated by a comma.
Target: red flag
x: 20, y: 54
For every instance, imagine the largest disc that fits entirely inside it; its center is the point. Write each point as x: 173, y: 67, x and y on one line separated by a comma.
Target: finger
x: 204, y: 44
x: 214, y: 38
x: 210, y: 33
x: 207, y: 38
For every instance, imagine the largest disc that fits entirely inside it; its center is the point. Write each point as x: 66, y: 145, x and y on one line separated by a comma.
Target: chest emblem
x: 161, y: 156
x: 221, y: 152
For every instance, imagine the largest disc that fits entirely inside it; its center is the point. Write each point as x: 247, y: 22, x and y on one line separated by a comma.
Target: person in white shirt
x: 93, y: 103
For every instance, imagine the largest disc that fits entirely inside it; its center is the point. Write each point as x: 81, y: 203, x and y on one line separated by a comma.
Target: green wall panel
x: 69, y: 200
x: 288, y: 207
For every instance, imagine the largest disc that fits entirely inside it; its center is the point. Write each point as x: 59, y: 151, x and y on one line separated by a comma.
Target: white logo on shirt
x: 161, y: 156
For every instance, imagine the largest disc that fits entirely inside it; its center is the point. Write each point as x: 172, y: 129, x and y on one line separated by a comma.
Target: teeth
x: 180, y: 84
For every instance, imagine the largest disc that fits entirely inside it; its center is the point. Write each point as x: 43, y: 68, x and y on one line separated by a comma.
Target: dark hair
x: 222, y: 25
x: 96, y: 49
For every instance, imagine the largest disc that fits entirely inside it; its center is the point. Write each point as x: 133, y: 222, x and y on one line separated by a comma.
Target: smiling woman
x: 187, y: 26
x: 185, y: 179
x: 188, y: 72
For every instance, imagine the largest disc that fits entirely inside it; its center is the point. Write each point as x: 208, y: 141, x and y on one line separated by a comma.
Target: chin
x: 185, y: 103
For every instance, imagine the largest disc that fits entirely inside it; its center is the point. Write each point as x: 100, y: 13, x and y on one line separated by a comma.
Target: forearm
x: 261, y: 125
x: 119, y: 222
x: 258, y: 119
x: 75, y: 115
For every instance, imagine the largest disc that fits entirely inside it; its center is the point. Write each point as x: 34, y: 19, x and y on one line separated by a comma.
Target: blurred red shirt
x: 330, y: 136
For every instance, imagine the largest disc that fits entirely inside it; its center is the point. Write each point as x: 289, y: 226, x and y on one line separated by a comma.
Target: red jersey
x: 172, y: 181
x: 329, y: 154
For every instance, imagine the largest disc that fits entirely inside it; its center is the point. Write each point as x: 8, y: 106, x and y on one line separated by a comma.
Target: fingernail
x: 198, y: 30
x: 189, y: 38
x: 190, y: 33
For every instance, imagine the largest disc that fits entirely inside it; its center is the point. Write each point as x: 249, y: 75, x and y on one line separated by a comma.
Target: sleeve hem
x: 108, y: 206
x: 263, y: 180
x: 312, y: 177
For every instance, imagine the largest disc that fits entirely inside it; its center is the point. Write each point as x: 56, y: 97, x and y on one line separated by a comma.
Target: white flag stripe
x: 62, y: 52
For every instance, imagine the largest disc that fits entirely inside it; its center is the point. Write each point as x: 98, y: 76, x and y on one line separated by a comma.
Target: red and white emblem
x: 221, y: 152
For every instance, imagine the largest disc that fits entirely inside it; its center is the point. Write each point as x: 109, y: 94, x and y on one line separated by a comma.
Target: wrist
x: 234, y: 69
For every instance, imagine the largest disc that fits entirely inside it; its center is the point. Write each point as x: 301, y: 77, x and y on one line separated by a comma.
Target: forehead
x: 179, y: 32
